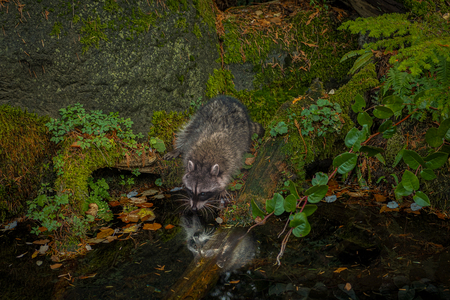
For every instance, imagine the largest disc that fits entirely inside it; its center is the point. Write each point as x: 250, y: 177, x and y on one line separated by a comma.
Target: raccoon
x: 212, y: 145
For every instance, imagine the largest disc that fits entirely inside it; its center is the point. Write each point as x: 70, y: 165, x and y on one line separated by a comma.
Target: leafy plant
x: 322, y: 117
x: 158, y: 182
x: 48, y: 210
x: 128, y: 181
x: 98, y: 193
x: 280, y: 129
x: 422, y: 166
x: 297, y: 206
x: 158, y: 144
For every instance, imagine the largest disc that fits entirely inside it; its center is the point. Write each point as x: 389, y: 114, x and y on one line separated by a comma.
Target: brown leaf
x: 250, y: 160
x: 114, y: 203
x: 149, y: 192
x: 153, y: 226
x: 41, y: 242
x: 145, y: 205
x: 275, y: 20
x: 348, y: 286
x: 55, y: 266
x: 235, y: 281
x: 379, y: 198
x: 169, y: 226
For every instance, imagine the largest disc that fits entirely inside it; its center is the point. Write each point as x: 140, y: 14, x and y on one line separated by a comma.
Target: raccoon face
x: 203, y: 185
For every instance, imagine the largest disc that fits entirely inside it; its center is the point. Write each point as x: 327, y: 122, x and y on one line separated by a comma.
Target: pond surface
x: 352, y: 252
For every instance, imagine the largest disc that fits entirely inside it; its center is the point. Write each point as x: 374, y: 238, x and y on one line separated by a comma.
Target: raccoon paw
x: 172, y: 154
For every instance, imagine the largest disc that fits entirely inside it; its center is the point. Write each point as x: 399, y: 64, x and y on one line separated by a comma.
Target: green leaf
x: 365, y: 119
x: 300, y: 224
x: 400, y: 191
x: 352, y: 137
x: 385, y: 126
x: 309, y: 209
x: 444, y: 129
x: 316, y: 193
x: 421, y: 199
x: 256, y: 211
x: 382, y: 112
x: 380, y: 158
x: 432, y: 137
x: 371, y: 150
x: 395, y: 103
x: 427, y: 174
x: 412, y: 159
x: 290, y: 203
x: 435, y: 160
x: 320, y: 179
x: 279, y: 204
x: 359, y: 104
x: 410, y: 181
x: 293, y: 189
x: 345, y: 162
x: 398, y: 157
x: 270, y: 204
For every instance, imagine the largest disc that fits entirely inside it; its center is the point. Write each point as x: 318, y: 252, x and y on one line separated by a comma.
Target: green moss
x: 181, y: 23
x: 174, y: 5
x: 221, y: 82
x: 92, y: 32
x: 197, y: 31
x: 78, y: 168
x: 360, y: 83
x: 56, y: 30
x: 206, y: 12
x: 112, y: 6
x: 25, y: 155
x: 165, y: 124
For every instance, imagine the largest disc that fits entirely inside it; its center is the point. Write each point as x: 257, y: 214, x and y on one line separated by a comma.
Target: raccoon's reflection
x: 231, y: 248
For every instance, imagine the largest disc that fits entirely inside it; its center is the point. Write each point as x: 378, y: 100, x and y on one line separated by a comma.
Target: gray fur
x: 213, y: 144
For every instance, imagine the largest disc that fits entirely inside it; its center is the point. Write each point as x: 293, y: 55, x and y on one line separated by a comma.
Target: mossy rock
x: 25, y: 158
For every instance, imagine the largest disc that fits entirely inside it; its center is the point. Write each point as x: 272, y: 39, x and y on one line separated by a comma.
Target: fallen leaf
x: 275, y: 20
x: 105, y: 233
x: 41, y: 242
x: 87, y: 276
x: 111, y: 238
x: 235, y: 281
x: 160, y: 196
x: 339, y: 270
x: 348, y: 286
x: 146, y: 204
x: 379, y: 198
x: 35, y: 253
x: 250, y: 160
x: 114, y: 203
x: 310, y: 45
x: 146, y: 214
x: 43, y: 249
x: 130, y: 229
x: 160, y: 268
x: 94, y: 241
x: 149, y: 192
x: 55, y: 266
x: 19, y: 256
x: 152, y: 226
x: 169, y: 226
x: 138, y: 200
x: 54, y: 258
x: 258, y: 12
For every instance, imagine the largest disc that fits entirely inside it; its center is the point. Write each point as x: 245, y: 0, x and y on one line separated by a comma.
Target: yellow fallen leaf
x: 35, y: 254
x: 160, y: 268
x: 146, y: 214
x: 105, y: 233
x: 234, y: 281
x: 339, y: 270
x: 129, y: 229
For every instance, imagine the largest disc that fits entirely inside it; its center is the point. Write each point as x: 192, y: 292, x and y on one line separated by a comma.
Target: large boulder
x: 133, y: 57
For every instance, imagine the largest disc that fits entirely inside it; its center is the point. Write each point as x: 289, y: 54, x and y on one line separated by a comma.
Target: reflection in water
x: 231, y: 248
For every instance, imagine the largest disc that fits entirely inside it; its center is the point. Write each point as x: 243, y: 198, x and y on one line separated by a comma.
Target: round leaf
x: 365, y: 119
x: 320, y: 179
x: 382, y: 112
x: 279, y: 204
x: 300, y: 224
x: 427, y: 174
x: 290, y: 203
x: 444, y: 129
x: 421, y: 199
x: 412, y: 159
x: 316, y: 193
x: 432, y: 137
x: 410, y: 181
x: 345, y: 162
x: 400, y: 191
x: 352, y: 137
x: 395, y: 103
x: 293, y: 189
x: 270, y: 204
x: 359, y: 104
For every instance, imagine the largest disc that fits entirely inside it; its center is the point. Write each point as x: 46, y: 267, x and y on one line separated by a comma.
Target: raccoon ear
x: 215, y: 170
x: 191, y: 166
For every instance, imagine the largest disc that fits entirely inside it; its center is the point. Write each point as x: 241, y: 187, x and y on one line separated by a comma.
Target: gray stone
x: 134, y: 72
